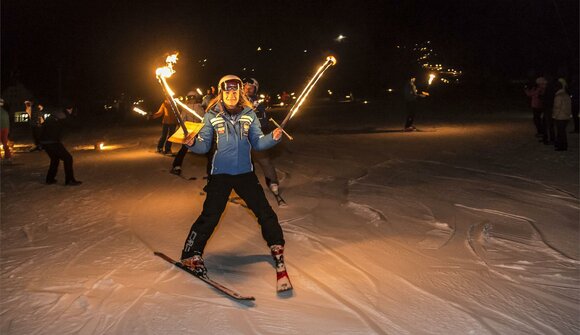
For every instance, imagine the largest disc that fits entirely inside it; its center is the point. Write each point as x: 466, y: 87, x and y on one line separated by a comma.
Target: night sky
x: 98, y: 49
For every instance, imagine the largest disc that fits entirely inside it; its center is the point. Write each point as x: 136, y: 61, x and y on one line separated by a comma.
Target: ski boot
x: 176, y: 170
x: 196, y: 265
x: 283, y: 281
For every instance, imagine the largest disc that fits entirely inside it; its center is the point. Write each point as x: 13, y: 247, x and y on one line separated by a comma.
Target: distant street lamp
x: 340, y: 38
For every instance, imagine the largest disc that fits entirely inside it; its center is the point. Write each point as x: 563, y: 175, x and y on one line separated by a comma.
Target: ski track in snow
x: 522, y: 219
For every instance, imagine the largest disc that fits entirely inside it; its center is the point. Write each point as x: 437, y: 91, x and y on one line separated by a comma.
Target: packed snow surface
x: 468, y: 227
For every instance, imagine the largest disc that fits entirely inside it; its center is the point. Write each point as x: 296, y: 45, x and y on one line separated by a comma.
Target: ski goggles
x: 249, y: 81
x: 231, y: 85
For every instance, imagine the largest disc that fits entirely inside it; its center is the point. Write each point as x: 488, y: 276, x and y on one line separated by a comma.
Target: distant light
x: 259, y: 49
x: 205, y: 60
x: 365, y: 102
x: 348, y: 97
x: 292, y: 93
x: 262, y: 96
x: 270, y: 49
x: 340, y: 38
x: 329, y: 92
x: 390, y: 90
x: 199, y: 91
x: 305, y: 50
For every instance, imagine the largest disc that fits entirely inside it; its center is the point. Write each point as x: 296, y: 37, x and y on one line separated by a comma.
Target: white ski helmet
x: 253, y: 82
x: 228, y: 82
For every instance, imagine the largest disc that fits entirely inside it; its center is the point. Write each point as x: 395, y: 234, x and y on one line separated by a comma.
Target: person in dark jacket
x: 548, y: 103
x: 193, y: 101
x: 251, y: 87
x: 575, y: 95
x: 230, y: 117
x: 411, y: 94
x: 50, y: 139
x: 35, y: 120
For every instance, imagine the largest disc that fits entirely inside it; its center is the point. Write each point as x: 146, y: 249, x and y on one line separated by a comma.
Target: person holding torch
x: 411, y: 94
x: 231, y: 122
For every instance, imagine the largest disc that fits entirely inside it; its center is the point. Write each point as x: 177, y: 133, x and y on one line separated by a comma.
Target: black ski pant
x: 263, y: 158
x: 575, y: 116
x: 57, y: 152
x: 166, y: 131
x: 411, y: 108
x: 36, y: 133
x: 549, y: 133
x: 561, y: 138
x: 178, y: 161
x: 218, y: 190
x: 538, y: 120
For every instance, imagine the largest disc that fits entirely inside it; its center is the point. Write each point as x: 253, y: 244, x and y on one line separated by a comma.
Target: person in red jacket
x: 535, y: 92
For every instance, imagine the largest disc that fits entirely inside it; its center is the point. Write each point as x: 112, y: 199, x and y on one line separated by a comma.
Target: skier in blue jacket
x: 231, y: 122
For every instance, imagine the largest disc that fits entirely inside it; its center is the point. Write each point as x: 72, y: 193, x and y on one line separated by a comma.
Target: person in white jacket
x: 561, y: 113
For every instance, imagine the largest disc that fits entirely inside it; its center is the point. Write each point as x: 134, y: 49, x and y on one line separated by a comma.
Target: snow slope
x: 469, y: 227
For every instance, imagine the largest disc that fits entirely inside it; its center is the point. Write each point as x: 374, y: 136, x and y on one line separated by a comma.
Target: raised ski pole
x: 330, y: 60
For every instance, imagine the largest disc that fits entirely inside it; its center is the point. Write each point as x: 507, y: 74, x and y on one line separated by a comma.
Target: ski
x: 227, y: 291
x: 180, y: 175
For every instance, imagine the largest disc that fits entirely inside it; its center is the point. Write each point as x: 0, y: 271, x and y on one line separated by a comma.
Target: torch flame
x: 171, y: 59
x: 331, y: 59
x: 139, y: 110
x: 167, y: 70
x: 431, y: 77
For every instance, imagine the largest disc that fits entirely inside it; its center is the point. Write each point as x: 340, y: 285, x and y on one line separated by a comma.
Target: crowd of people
x: 553, y: 104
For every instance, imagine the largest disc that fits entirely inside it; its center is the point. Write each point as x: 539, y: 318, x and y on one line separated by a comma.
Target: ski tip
x: 246, y: 298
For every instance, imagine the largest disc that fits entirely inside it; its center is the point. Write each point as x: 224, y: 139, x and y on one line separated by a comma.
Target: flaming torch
x: 431, y: 77
x: 139, y: 111
x: 330, y: 60
x: 162, y: 74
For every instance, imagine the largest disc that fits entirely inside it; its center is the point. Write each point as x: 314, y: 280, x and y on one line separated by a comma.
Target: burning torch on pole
x: 330, y: 61
x: 431, y: 77
x: 429, y: 82
x: 162, y: 74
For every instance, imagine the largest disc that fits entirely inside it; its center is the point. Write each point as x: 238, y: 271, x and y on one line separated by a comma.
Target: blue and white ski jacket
x: 236, y: 136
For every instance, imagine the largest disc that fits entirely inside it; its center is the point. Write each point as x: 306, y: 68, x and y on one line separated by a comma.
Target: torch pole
x: 329, y: 62
x: 173, y: 106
